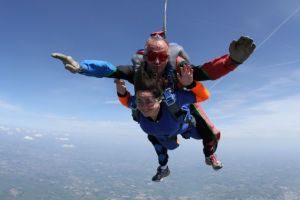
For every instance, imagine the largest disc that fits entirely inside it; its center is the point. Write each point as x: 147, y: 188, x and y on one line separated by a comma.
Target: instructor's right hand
x: 69, y: 63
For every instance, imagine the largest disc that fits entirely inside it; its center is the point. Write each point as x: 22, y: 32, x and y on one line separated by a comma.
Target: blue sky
x: 259, y: 99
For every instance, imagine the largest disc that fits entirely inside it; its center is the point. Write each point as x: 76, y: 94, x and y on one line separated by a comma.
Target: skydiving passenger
x: 156, y: 120
x: 161, y: 60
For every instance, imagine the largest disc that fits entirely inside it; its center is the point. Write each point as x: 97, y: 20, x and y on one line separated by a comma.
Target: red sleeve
x: 219, y: 67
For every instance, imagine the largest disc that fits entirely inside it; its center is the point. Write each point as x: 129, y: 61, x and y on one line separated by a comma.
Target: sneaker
x: 214, y: 162
x: 160, y: 174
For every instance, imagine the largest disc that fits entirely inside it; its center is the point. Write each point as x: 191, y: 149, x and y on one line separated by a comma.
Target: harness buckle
x: 169, y: 97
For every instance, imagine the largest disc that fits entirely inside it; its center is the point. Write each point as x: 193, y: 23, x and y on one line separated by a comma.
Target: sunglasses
x: 147, y: 102
x: 152, y: 56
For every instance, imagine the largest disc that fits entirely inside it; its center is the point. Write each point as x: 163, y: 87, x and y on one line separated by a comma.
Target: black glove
x: 240, y: 50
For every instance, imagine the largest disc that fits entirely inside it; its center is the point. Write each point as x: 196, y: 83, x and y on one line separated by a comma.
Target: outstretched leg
x: 162, y: 154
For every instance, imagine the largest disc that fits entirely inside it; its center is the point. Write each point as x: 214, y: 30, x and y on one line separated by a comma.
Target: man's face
x: 157, y: 56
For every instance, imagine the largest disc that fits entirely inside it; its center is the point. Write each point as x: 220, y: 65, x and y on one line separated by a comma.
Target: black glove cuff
x: 122, y: 95
x: 234, y: 61
x: 192, y: 85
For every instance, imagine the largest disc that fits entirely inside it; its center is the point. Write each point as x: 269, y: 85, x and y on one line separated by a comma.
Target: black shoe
x: 160, y: 174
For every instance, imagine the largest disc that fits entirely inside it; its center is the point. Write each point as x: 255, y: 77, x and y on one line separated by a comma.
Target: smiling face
x: 147, y: 104
x: 156, y: 55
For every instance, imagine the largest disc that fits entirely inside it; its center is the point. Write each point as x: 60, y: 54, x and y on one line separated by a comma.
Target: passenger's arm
x: 123, y: 94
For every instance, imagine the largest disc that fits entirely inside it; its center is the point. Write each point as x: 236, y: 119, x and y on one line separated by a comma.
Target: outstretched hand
x: 121, y: 87
x: 69, y: 63
x: 185, y: 77
x: 240, y: 50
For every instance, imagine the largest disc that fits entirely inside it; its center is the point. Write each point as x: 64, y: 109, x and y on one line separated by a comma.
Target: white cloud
x: 68, y: 146
x: 71, y: 124
x: 63, y: 139
x: 271, y: 110
x: 9, y: 106
x: 79, y: 125
x: 58, y: 117
x: 38, y: 135
x: 97, y: 126
x: 18, y: 130
x: 276, y: 118
x: 236, y: 98
x: 28, y: 138
x: 278, y: 86
x: 4, y: 129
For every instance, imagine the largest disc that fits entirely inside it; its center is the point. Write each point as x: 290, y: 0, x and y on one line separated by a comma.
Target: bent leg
x: 209, y: 133
x: 210, y: 136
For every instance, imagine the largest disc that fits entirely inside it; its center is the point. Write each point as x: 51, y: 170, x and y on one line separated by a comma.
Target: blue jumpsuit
x: 162, y: 133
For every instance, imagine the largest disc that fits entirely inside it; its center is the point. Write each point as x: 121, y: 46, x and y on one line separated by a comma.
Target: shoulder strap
x: 138, y: 58
x: 175, y: 50
x: 135, y: 113
x: 169, y: 99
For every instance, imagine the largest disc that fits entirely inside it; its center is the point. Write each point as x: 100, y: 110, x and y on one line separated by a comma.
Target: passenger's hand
x: 240, y: 50
x: 69, y: 63
x: 185, y: 77
x: 121, y: 87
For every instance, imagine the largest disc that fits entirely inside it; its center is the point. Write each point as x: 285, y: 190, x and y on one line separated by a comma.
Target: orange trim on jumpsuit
x: 125, y: 100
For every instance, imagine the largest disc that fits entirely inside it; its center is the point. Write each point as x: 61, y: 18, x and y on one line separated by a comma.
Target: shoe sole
x: 217, y: 168
x: 161, y: 178
x: 158, y: 180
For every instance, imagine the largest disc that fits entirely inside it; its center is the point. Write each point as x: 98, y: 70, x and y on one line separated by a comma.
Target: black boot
x: 160, y: 174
